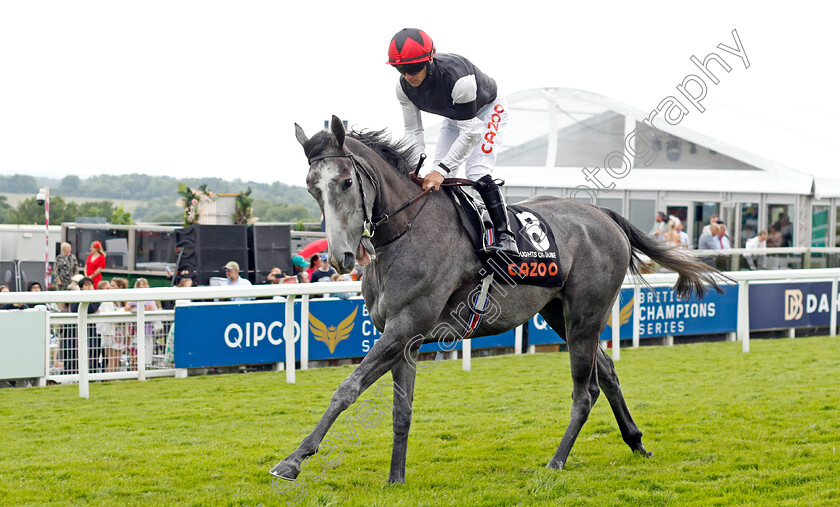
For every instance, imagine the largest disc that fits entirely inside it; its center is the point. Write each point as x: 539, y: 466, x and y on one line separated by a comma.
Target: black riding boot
x: 491, y: 194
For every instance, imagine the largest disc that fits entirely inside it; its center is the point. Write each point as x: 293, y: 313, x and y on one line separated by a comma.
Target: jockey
x: 451, y: 86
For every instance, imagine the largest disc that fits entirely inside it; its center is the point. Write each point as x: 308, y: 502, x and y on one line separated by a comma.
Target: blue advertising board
x: 785, y: 305
x: 662, y: 313
x: 224, y: 334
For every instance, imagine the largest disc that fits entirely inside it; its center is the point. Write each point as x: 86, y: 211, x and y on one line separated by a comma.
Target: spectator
x: 722, y: 238
x: 774, y: 237
x: 10, y: 306
x: 185, y: 282
x: 95, y: 263
x: 672, y: 236
x: 34, y: 287
x: 714, y: 219
x: 275, y: 276
x: 685, y: 241
x: 185, y: 273
x: 314, y: 263
x: 149, y: 329
x: 299, y: 267
x: 758, y: 242
x: 340, y: 278
x: 234, y: 280
x: 94, y: 342
x: 324, y: 271
x: 786, y: 230
x: 112, y: 333
x: 66, y: 265
x: 52, y: 307
x: 708, y: 240
x: 660, y: 226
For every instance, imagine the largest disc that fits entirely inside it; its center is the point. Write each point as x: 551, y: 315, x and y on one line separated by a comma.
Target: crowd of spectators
x: 714, y: 236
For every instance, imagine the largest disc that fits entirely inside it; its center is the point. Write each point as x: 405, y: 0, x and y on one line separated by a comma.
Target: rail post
x: 289, y: 337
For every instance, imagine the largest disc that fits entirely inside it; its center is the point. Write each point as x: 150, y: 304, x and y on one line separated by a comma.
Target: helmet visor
x: 410, y: 69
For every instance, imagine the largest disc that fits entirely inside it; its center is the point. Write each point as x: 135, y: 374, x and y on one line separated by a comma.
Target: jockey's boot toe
x: 506, y: 243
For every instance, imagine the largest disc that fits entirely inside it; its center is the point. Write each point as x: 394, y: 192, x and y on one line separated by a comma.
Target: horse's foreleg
x: 381, y: 358
x: 608, y: 379
x: 404, y: 376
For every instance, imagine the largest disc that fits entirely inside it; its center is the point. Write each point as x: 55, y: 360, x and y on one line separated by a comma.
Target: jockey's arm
x: 469, y: 126
x: 413, y: 125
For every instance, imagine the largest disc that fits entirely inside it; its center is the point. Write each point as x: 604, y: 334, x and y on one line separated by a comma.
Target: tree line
x: 275, y: 202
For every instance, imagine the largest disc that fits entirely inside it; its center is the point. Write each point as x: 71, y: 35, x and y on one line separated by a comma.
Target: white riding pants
x: 482, y: 159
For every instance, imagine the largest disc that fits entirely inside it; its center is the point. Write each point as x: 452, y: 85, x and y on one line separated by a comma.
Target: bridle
x: 372, y: 223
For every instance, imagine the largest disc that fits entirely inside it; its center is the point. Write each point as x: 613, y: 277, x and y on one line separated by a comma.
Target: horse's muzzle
x: 346, y: 264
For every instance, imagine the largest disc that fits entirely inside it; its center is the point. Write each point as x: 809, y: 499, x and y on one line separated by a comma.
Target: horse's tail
x: 694, y: 276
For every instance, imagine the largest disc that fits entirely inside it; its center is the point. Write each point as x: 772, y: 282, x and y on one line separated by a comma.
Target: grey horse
x: 420, y: 269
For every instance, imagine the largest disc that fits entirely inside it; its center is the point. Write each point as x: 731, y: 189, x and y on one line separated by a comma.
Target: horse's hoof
x: 559, y: 465
x: 285, y: 470
x: 640, y: 449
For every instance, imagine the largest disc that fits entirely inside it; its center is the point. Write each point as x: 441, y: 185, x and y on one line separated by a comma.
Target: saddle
x: 539, y: 259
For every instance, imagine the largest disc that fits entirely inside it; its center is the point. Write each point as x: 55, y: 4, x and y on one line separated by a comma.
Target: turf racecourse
x: 726, y: 428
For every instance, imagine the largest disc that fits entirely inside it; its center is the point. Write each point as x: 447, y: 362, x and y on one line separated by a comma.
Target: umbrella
x: 319, y: 245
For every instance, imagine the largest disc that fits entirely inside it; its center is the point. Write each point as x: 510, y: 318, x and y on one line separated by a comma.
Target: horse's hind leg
x: 608, y: 380
x: 582, y: 341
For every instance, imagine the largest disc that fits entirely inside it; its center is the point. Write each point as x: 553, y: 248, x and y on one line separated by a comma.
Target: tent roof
x: 577, y: 113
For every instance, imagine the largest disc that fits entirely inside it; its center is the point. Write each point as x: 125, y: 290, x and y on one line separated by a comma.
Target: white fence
x: 153, y: 366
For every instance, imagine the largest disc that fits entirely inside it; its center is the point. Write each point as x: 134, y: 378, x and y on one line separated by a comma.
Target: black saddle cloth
x: 539, y: 259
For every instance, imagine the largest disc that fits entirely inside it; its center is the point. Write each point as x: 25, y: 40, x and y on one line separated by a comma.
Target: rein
x: 371, y: 224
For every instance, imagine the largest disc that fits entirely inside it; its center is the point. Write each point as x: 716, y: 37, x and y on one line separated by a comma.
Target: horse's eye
x: 347, y: 183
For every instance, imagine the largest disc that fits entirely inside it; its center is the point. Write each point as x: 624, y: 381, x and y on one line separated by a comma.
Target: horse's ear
x: 301, y: 137
x: 337, y: 128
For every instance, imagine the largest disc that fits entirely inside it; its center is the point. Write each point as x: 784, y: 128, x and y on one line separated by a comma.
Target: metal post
x: 82, y: 345
x: 466, y: 352
x: 179, y: 372
x: 616, y: 330
x: 141, y: 340
x: 834, y: 302
x: 47, y: 236
x: 744, y: 315
x: 517, y: 340
x: 289, y: 337
x: 304, y: 332
x: 637, y: 314
x: 42, y: 381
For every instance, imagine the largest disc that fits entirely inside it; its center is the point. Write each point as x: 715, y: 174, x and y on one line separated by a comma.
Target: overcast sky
x: 208, y: 88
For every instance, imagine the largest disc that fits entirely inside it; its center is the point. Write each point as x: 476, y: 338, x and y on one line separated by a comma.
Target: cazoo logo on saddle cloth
x: 539, y: 259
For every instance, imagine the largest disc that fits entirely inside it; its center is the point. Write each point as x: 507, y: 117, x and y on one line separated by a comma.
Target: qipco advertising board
x: 226, y: 334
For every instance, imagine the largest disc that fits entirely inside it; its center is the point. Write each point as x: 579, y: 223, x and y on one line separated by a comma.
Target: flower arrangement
x: 243, y: 208
x: 189, y: 201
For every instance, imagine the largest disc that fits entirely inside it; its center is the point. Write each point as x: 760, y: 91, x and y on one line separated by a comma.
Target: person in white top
x: 759, y: 241
x: 234, y: 280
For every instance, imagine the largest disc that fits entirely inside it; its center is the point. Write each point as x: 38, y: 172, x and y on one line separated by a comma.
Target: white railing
x: 85, y: 298
x: 304, y: 291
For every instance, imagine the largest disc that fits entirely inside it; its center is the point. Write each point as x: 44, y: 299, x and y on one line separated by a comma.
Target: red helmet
x: 410, y: 45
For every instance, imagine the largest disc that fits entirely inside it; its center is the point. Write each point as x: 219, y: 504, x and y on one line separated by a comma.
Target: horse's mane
x: 397, y: 154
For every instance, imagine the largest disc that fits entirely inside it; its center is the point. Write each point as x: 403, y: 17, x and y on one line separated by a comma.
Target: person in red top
x: 95, y: 263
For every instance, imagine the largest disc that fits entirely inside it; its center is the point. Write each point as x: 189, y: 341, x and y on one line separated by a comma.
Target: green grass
x: 725, y: 428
